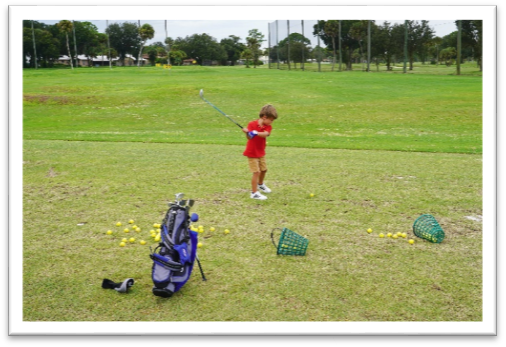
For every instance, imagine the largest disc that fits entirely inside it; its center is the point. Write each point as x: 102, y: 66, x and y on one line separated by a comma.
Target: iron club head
x: 201, y: 93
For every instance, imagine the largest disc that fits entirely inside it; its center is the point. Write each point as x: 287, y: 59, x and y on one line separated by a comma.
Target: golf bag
x: 175, y: 255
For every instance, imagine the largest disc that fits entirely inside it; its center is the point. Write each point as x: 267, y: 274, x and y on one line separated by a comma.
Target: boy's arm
x: 247, y: 132
x: 264, y: 134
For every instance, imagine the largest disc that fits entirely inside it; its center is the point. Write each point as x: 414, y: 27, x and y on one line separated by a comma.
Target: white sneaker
x: 258, y: 196
x: 264, y: 188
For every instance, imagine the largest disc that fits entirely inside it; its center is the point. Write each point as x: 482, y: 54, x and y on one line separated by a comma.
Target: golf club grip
x: 239, y: 125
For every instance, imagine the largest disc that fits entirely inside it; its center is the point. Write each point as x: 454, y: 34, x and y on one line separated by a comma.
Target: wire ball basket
x: 427, y: 227
x: 290, y: 243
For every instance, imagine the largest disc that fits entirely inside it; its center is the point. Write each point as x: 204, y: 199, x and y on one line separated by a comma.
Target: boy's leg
x: 261, y: 176
x: 254, y: 167
x: 254, y: 181
x: 262, y: 164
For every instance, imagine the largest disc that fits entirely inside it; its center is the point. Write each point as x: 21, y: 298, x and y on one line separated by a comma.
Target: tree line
x: 72, y: 38
x: 342, y: 41
x: 345, y: 42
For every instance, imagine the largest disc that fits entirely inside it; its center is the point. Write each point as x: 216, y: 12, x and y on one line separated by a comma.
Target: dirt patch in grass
x: 58, y: 99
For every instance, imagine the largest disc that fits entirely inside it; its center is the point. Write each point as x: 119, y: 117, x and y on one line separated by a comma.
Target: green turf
x: 352, y: 110
x: 123, y: 167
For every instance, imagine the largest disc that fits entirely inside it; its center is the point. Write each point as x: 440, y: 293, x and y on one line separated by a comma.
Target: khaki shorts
x: 257, y: 164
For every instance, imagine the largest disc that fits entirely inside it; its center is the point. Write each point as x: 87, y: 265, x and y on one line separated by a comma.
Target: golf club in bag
x: 217, y: 109
x: 175, y: 255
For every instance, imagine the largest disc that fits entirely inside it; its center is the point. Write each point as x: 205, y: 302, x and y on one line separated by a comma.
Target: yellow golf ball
x: 199, y: 245
x: 138, y: 229
x: 158, y: 237
x: 395, y: 236
x: 109, y: 232
x: 411, y: 241
x: 369, y: 230
x: 132, y: 240
x: 311, y: 195
x: 381, y: 235
x: 389, y: 235
x: 124, y: 240
x: 399, y: 233
x: 142, y: 242
x: 226, y: 231
x: 126, y: 230
x: 122, y: 244
x: 212, y: 229
x: 404, y: 235
x: 131, y: 221
x: 118, y: 224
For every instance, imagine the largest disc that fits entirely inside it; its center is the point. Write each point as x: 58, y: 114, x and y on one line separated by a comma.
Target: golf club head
x: 179, y: 196
x: 201, y: 93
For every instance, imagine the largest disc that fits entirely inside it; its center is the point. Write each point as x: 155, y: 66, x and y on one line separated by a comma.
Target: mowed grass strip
x: 346, y: 110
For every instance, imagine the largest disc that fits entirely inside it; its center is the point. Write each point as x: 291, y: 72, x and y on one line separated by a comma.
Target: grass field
x: 377, y: 150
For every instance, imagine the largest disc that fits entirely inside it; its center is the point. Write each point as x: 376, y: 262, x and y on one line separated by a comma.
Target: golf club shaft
x: 220, y: 111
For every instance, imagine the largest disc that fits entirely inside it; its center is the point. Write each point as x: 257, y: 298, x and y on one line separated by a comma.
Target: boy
x: 256, y: 133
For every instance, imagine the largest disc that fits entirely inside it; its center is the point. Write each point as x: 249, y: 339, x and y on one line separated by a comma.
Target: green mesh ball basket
x: 290, y: 243
x: 427, y: 227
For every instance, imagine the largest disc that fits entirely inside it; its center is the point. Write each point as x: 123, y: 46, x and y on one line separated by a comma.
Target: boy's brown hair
x: 269, y: 111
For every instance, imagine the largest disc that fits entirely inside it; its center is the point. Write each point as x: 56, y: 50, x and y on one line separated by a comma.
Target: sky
x: 221, y: 21
x: 220, y: 29
x: 238, y: 20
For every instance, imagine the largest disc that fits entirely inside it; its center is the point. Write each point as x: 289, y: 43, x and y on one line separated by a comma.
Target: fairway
x: 377, y: 150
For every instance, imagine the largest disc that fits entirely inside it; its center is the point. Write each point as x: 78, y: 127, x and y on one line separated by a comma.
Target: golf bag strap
x: 172, y: 265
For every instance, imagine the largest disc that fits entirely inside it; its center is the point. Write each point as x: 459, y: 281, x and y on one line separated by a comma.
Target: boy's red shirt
x: 255, y: 147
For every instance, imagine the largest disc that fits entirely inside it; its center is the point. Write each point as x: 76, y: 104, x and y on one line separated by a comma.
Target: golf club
x: 217, y: 109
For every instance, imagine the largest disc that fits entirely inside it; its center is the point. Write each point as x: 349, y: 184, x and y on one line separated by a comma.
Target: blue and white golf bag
x: 175, y: 255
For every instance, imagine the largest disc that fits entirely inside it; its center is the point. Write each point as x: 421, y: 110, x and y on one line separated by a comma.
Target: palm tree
x: 331, y: 28
x: 34, y: 49
x: 65, y: 26
x: 146, y: 32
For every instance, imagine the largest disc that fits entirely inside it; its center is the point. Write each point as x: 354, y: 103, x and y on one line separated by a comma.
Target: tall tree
x: 47, y: 47
x: 65, y: 26
x: 201, y: 47
x: 88, y: 41
x: 75, y: 44
x: 299, y: 47
x: 358, y: 31
x: 419, y: 34
x: 124, y: 39
x: 472, y: 38
x: 146, y: 32
x: 348, y: 43
x: 233, y: 47
x: 331, y: 29
x: 254, y: 43
x: 34, y: 47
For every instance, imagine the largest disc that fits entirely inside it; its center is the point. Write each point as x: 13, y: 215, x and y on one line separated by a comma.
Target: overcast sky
x: 220, y: 29
x: 221, y: 21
